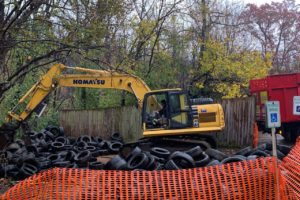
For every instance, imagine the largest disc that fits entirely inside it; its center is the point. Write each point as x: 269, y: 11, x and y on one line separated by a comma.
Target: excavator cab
x: 166, y: 109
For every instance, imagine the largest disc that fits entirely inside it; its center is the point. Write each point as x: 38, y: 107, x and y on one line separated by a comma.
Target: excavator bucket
x: 7, y: 133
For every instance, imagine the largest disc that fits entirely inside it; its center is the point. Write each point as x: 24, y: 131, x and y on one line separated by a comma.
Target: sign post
x: 273, y: 121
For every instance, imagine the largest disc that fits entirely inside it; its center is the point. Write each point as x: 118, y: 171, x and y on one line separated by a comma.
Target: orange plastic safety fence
x: 253, y: 179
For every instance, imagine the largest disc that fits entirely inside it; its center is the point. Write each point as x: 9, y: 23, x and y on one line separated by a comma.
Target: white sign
x: 273, y: 114
x: 296, y: 105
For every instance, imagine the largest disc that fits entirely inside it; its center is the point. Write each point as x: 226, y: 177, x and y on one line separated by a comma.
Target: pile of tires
x: 162, y: 159
x: 51, y: 148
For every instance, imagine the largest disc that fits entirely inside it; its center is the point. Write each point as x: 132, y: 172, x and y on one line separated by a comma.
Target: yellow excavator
x: 166, y: 113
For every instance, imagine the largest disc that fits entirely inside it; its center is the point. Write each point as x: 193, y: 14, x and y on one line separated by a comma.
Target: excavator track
x: 174, y: 143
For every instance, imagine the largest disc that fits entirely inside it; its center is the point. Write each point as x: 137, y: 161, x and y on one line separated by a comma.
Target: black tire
x: 269, y: 146
x: 232, y: 159
x: 54, y: 158
x: 171, y: 165
x: 94, y: 144
x: 32, y: 149
x: 86, y: 139
x: 204, y: 145
x: 280, y: 155
x: 45, y: 164
x: 202, y: 160
x: 138, y: 161
x: 81, y: 144
x: 262, y: 146
x: 252, y: 157
x: 70, y: 156
x: 213, y: 153
x: 213, y: 163
x: 134, y: 152
x: 115, y: 147
x: 160, y: 152
x: 27, y: 170
x: 116, y: 163
x: 183, y: 160
x: 61, y: 164
x: 56, y: 131
x: 195, y: 151
x: 82, y: 157
x: 100, y: 152
x: 96, y: 165
x: 244, y: 151
x: 284, y: 149
x: 116, y: 136
x: 260, y: 153
x: 151, y: 164
x: 62, y: 139
x: 158, y: 166
x: 57, y: 146
x: 33, y: 162
x: 12, y: 171
x: 90, y: 148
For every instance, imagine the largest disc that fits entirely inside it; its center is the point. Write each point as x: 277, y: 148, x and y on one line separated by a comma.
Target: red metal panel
x: 282, y: 81
x: 258, y: 85
x: 280, y: 88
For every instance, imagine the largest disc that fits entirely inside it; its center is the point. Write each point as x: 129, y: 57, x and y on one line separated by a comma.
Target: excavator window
x: 166, y: 110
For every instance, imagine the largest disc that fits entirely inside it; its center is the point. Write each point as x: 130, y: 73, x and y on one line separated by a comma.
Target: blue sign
x: 298, y: 108
x: 274, y: 117
x: 273, y: 114
x: 203, y: 110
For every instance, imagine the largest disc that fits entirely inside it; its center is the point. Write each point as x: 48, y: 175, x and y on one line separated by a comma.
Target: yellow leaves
x: 231, y: 71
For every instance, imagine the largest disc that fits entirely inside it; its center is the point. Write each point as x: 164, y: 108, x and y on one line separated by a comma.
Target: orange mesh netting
x: 241, y: 180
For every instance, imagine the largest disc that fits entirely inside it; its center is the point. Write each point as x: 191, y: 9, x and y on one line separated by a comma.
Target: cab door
x: 180, y: 112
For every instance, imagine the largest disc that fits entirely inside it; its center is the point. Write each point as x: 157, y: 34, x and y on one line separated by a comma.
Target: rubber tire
x: 213, y: 153
x: 27, y: 170
x: 138, y: 161
x: 82, y: 157
x: 116, y: 163
x: 232, y: 159
x: 213, y: 163
x: 284, y: 149
x: 116, y: 136
x: 251, y: 157
x: 151, y: 164
x: 194, y: 152
x: 134, y: 152
x: 63, y: 164
x: 171, y: 165
x: 115, y: 147
x: 57, y: 146
x: 96, y: 165
x: 203, y: 161
x: 262, y: 146
x: 160, y: 152
x: 260, y: 153
x: 182, y: 159
x: 244, y: 151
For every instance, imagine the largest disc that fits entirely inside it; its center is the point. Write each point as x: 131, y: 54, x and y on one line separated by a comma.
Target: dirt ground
x: 5, y: 184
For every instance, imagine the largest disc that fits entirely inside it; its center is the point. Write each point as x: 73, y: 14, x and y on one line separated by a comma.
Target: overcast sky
x: 259, y: 2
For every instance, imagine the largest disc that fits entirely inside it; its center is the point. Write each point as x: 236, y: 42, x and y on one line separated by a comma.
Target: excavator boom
x: 92, y: 79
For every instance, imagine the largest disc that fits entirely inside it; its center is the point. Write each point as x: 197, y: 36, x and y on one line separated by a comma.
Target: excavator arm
x: 91, y: 79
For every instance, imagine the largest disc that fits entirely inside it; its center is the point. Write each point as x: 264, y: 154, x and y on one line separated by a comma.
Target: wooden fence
x: 102, y: 122
x: 239, y: 122
x: 239, y: 117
